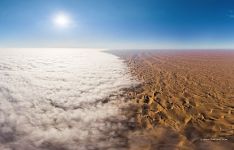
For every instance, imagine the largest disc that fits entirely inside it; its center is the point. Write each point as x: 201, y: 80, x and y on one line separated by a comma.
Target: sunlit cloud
x: 53, y: 101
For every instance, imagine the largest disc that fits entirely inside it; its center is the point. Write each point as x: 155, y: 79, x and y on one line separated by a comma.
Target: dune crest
x: 185, y: 100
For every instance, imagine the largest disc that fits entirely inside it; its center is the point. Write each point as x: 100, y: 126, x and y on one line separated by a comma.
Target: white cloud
x: 50, y: 99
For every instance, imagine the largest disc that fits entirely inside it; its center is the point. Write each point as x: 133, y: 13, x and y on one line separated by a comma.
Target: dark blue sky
x: 118, y: 23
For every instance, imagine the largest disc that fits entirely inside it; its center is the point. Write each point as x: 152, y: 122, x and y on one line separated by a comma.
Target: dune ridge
x: 185, y: 100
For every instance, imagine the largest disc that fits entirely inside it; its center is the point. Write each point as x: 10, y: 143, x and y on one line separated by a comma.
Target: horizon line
x: 117, y: 48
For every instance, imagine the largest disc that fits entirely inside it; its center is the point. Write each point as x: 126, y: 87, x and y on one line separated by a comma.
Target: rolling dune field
x: 185, y: 100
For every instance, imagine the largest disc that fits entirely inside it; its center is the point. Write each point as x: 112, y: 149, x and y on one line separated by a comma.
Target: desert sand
x: 184, y: 101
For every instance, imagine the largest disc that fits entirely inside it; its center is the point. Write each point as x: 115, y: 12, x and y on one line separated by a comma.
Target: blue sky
x: 118, y: 23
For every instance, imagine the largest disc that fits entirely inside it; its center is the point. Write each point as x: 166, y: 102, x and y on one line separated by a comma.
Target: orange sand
x: 185, y: 100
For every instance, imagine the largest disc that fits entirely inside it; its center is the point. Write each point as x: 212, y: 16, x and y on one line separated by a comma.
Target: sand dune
x: 185, y: 100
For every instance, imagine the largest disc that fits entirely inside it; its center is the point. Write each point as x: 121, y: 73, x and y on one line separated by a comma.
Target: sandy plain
x: 184, y: 101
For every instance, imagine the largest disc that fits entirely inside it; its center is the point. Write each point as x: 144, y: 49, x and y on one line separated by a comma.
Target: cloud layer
x: 53, y: 99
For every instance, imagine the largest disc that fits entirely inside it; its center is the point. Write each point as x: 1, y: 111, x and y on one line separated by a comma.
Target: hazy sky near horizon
x: 118, y: 23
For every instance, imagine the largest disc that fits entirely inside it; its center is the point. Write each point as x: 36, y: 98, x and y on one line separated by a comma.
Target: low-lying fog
x: 51, y: 99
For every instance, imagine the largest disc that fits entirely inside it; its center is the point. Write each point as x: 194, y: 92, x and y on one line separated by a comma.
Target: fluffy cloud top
x: 52, y: 99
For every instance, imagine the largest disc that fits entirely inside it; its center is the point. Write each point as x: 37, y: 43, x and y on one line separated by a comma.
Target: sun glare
x: 62, y: 20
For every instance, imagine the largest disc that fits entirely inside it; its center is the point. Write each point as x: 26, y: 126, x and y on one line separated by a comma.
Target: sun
x: 62, y: 20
